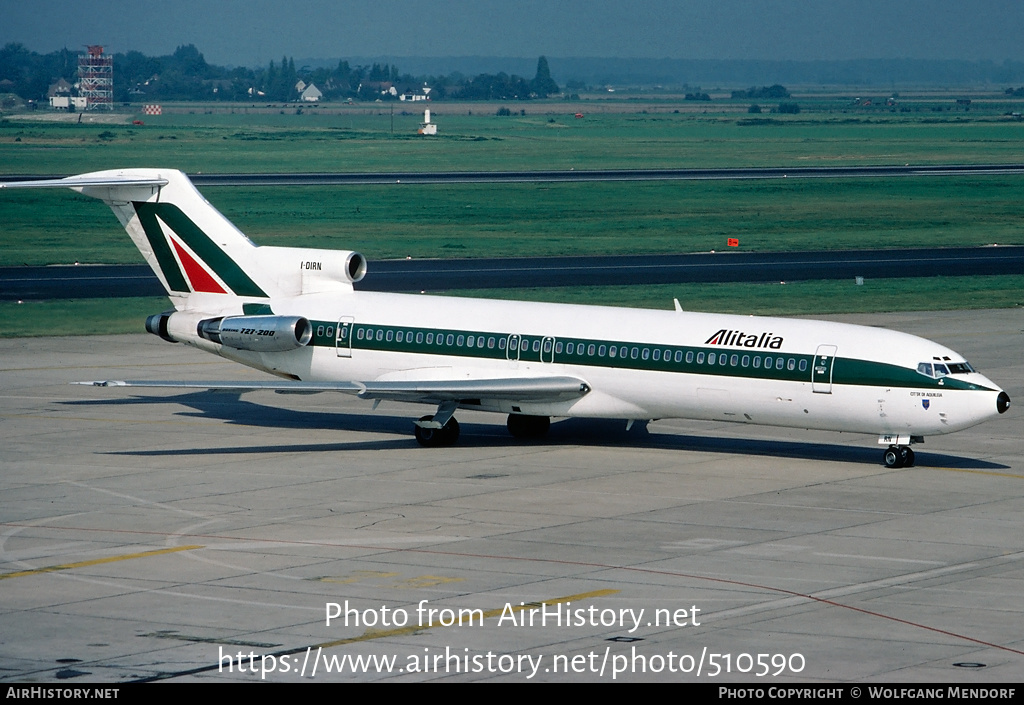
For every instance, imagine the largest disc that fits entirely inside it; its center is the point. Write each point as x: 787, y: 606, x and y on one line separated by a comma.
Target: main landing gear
x: 526, y: 427
x: 428, y: 437
x: 898, y: 457
x: 442, y: 429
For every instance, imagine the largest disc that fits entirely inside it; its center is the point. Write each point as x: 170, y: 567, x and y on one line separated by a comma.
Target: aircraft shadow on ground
x: 228, y: 406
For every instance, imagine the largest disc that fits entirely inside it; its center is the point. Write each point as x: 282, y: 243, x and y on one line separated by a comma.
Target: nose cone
x: 1002, y: 402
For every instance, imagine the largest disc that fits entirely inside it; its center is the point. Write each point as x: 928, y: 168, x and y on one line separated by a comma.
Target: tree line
x: 186, y: 75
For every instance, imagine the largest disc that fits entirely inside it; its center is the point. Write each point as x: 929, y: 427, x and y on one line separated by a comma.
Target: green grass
x: 467, y: 220
x: 78, y: 317
x: 364, y: 142
x: 474, y: 220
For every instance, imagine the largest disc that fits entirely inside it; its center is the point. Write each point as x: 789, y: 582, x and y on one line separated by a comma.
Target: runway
x: 101, y: 281
x: 163, y: 535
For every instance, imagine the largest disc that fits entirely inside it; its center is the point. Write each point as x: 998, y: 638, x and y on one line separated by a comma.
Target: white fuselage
x: 867, y: 378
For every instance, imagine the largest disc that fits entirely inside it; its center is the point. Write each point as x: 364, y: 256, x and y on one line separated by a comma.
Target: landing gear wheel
x: 907, y: 456
x: 523, y: 426
x: 447, y: 435
x: 894, y: 457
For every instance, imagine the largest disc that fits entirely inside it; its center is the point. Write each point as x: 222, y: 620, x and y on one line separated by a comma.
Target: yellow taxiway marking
x: 412, y: 629
x: 97, y: 561
x: 982, y: 472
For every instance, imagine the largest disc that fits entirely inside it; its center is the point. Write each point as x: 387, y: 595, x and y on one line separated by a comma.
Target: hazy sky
x: 252, y: 32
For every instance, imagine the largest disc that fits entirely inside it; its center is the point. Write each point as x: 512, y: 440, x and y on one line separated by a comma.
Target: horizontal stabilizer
x: 86, y: 180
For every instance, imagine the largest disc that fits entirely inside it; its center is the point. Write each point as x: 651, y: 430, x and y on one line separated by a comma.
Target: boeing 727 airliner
x: 295, y: 314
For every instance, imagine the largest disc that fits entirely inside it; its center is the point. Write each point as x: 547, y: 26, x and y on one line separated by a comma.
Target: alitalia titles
x: 745, y: 340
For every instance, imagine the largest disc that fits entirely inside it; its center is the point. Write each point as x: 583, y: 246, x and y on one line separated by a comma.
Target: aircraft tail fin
x: 203, y: 261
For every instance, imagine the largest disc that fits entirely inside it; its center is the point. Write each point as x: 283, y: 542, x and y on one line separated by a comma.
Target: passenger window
x: 558, y: 348
x: 711, y: 358
x: 490, y: 343
x: 391, y: 335
x: 613, y: 351
x: 380, y: 334
x: 745, y: 362
x: 757, y: 362
x: 470, y: 342
x: 689, y: 355
x: 590, y: 349
x: 779, y: 362
x: 645, y: 353
x: 657, y: 354
x: 419, y: 337
x: 700, y: 358
x: 330, y: 332
x: 723, y: 359
x: 319, y: 331
x: 734, y: 360
x: 400, y: 336
x: 569, y: 348
x: 803, y: 365
x: 634, y: 353
x: 602, y: 350
x: 451, y: 339
x: 622, y: 351
x: 547, y: 345
x: 501, y: 344
x: 791, y: 365
x: 536, y: 346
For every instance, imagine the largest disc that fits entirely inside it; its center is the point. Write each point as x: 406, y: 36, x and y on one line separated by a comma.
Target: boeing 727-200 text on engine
x: 294, y: 313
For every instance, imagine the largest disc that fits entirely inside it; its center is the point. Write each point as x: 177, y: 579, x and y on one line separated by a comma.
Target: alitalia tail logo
x: 188, y: 258
x: 745, y: 340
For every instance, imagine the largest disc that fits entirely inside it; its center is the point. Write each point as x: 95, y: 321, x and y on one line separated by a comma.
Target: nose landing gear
x: 898, y: 457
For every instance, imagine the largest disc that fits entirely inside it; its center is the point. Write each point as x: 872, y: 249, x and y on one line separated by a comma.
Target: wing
x: 425, y: 391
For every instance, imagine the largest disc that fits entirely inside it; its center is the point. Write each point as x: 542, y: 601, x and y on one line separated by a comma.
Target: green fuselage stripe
x: 738, y: 362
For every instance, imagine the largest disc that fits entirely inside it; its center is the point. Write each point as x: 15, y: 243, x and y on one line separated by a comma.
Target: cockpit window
x: 937, y: 370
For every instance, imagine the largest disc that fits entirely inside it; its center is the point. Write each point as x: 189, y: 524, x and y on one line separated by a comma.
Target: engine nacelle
x: 257, y: 333
x: 299, y: 270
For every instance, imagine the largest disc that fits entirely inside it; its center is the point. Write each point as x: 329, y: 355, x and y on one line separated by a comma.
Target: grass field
x: 485, y: 142
x: 466, y: 220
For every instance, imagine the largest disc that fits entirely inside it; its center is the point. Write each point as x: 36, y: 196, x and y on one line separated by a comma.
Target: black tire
x: 893, y: 458
x: 908, y: 457
x: 523, y: 426
x: 437, y: 437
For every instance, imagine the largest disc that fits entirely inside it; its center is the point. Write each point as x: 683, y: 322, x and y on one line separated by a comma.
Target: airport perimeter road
x: 101, y: 281
x: 463, y: 177
x: 158, y: 534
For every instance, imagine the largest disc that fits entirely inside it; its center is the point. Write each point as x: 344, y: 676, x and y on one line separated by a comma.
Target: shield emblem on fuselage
x: 926, y: 403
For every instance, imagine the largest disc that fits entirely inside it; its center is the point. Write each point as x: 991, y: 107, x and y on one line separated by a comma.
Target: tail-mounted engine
x: 257, y: 333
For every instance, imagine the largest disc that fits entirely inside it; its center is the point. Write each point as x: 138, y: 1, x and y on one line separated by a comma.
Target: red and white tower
x: 96, y: 78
